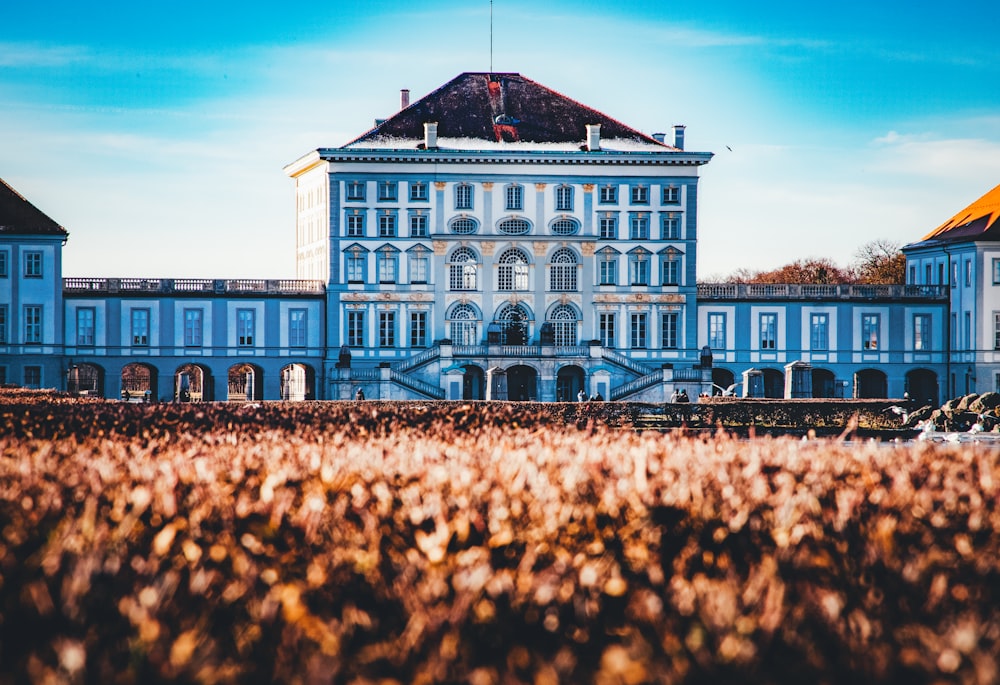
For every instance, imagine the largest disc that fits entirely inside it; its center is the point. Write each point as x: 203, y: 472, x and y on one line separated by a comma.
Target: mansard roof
x: 478, y: 111
x: 20, y: 217
x: 978, y: 221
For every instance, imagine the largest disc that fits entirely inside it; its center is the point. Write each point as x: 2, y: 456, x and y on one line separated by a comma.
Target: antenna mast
x: 491, y: 36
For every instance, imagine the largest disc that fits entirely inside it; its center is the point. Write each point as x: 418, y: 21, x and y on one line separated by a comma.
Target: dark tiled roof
x: 978, y: 221
x: 18, y: 216
x: 500, y: 108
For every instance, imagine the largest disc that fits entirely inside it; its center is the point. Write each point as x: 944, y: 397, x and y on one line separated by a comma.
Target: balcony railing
x: 819, y: 291
x: 218, y: 286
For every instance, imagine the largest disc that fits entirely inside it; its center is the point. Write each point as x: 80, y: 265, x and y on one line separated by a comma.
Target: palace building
x: 495, y: 239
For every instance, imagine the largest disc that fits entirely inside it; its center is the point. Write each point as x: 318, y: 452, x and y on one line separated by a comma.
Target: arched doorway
x: 473, y: 383
x: 569, y: 382
x: 870, y: 384
x: 823, y: 383
x: 85, y: 379
x: 922, y: 385
x: 245, y: 382
x: 138, y: 382
x: 724, y: 381
x: 522, y: 382
x: 297, y: 382
x: 774, y: 383
x: 192, y: 383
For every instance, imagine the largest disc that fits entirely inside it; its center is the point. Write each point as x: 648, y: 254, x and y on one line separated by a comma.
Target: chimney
x: 593, y: 137
x: 430, y: 135
x: 404, y: 98
x: 660, y: 137
x: 679, y: 136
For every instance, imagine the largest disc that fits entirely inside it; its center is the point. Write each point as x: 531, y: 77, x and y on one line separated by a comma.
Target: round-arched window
x: 514, y: 226
x: 565, y: 226
x: 464, y: 225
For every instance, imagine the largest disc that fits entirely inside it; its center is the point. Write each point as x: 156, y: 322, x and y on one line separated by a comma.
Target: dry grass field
x: 483, y: 544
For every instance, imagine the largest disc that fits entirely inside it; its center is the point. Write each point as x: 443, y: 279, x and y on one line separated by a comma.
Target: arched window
x: 464, y: 323
x: 514, y: 226
x: 512, y: 270
x: 513, y: 320
x: 563, y: 270
x: 464, y: 225
x: 565, y: 226
x: 463, y: 268
x: 563, y: 320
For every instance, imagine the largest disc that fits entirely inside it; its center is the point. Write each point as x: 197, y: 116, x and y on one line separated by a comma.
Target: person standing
x: 359, y: 395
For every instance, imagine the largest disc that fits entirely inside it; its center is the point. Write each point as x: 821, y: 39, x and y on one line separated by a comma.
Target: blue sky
x: 156, y: 133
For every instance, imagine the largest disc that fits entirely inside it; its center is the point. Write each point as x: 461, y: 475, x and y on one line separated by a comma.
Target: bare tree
x: 879, y: 261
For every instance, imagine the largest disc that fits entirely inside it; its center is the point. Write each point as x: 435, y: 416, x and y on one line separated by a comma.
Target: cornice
x: 515, y: 157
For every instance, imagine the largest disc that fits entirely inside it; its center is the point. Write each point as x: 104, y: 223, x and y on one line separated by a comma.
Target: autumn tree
x: 879, y: 262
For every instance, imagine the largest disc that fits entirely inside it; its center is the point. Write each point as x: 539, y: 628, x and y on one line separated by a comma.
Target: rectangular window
x: 85, y: 326
x: 463, y: 196
x: 996, y: 330
x: 671, y: 195
x: 921, y: 331
x: 297, y: 327
x: 418, y: 329
x: 996, y: 272
x: 193, y: 327
x: 387, y: 267
x: 4, y: 256
x: 869, y: 331
x: 514, y: 198
x: 913, y: 275
x: 462, y: 276
x: 418, y: 226
x: 140, y: 327
x: 968, y: 273
x: 608, y: 267
x: 969, y: 342
x: 609, y: 227
x: 355, y: 225
x: 32, y: 323
x: 387, y: 329
x: 768, y: 331
x: 819, y: 332
x: 564, y: 199
x: 33, y: 377
x: 940, y: 280
x: 609, y: 195
x: 356, y: 191
x: 717, y: 331
x: 669, y: 330
x: 418, y: 268
x: 32, y: 264
x: 606, y: 324
x: 387, y: 226
x: 928, y: 272
x: 3, y: 324
x: 356, y: 329
x: 638, y: 331
x: 639, y: 227
x: 387, y: 191
x: 954, y: 274
x: 670, y: 228
x: 418, y: 191
x: 245, y: 327
x: 355, y: 268
x: 671, y: 271
x: 640, y: 195
x: 639, y: 269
